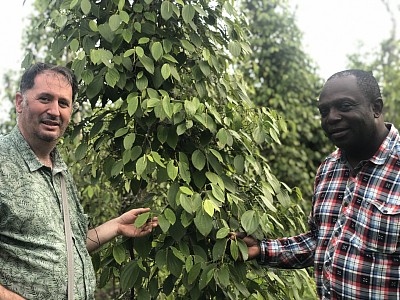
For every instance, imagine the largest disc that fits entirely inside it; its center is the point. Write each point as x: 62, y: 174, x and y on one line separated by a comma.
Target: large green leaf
x: 250, y: 221
x: 203, y: 222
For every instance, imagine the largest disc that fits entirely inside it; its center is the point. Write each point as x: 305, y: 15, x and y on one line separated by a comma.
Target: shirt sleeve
x: 290, y: 253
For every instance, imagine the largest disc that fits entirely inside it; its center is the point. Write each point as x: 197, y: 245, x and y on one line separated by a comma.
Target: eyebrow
x: 336, y: 101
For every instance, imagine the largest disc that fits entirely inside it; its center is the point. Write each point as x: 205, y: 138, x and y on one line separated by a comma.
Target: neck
x: 364, y: 152
x: 42, y: 149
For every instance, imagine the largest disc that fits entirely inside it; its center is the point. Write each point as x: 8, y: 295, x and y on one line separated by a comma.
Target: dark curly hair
x: 365, y: 81
x: 28, y: 78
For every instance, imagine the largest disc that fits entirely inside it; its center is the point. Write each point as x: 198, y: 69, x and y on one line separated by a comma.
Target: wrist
x: 263, y: 255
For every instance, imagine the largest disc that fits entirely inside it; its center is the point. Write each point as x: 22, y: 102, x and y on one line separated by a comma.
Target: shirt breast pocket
x: 378, y: 226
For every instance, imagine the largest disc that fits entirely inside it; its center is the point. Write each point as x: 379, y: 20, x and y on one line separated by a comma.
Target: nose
x: 53, y: 108
x: 333, y: 116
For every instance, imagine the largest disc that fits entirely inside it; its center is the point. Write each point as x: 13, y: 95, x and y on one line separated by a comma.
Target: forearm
x: 6, y: 294
x: 102, y: 234
x: 289, y: 253
x: 122, y: 225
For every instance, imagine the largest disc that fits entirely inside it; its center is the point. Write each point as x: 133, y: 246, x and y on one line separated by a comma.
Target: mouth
x: 338, y: 132
x: 51, y: 123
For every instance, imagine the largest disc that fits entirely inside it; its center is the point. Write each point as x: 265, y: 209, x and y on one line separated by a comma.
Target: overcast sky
x: 334, y: 28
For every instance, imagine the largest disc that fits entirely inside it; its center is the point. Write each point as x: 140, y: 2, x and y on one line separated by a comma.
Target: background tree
x: 165, y: 121
x: 384, y: 63
x: 282, y: 77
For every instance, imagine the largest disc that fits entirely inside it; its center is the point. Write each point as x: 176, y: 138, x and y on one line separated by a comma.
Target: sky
x: 332, y: 29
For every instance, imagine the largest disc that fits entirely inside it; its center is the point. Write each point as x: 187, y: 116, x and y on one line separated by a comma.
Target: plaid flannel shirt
x: 354, y: 241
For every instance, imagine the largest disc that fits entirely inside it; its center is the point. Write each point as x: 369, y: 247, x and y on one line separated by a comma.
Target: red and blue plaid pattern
x: 354, y: 241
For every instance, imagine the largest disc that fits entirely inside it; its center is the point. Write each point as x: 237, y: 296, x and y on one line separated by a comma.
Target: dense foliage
x: 166, y: 122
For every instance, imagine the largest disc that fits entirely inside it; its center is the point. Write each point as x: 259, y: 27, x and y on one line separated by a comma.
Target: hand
x: 128, y: 229
x: 252, y: 244
x: 6, y: 294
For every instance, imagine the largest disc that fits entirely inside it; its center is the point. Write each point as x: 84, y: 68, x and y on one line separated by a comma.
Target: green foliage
x: 385, y: 65
x: 166, y: 122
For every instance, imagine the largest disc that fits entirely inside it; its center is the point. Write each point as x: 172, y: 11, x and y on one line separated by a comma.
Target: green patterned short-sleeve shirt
x: 33, y: 259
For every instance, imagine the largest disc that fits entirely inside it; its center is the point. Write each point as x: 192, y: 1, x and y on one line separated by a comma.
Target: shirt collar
x: 385, y: 149
x: 30, y: 157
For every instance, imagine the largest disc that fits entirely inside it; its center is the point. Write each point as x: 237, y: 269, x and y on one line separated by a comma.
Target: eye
x: 323, y: 112
x: 44, y: 99
x: 63, y: 103
x: 345, y: 106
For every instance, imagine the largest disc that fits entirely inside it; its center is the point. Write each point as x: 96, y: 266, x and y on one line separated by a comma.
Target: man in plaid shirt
x: 354, y: 237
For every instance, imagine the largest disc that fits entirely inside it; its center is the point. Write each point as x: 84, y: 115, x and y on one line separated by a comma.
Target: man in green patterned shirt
x: 33, y: 255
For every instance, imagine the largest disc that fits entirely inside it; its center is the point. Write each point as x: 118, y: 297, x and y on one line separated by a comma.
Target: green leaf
x: 172, y: 170
x: 234, y: 250
x: 234, y: 48
x: 219, y: 248
x: 167, y: 107
x: 244, y: 252
x: 205, y: 68
x: 129, y: 275
x: 203, y: 222
x: 259, y: 135
x: 250, y: 221
x: 198, y: 159
x: 206, y: 276
x: 217, y: 155
x: 194, y: 273
x: 119, y: 254
x: 74, y: 45
x: 141, y: 165
x: 117, y: 168
x: 120, y: 132
x: 141, y: 219
x: 156, y: 50
x: 209, y: 207
x: 187, y: 203
x: 187, y: 45
x: 163, y: 223
x: 186, y: 190
x: 222, y: 275
x: 157, y: 158
x: 222, y: 233
x: 162, y: 134
x: 170, y: 215
x: 106, y: 32
x: 165, y: 70
x: 114, y: 21
x: 238, y: 163
x: 112, y: 77
x: 148, y: 63
x: 124, y: 15
x: 73, y: 4
x: 188, y: 13
x: 80, y: 151
x: 142, y: 83
x: 174, y: 264
x: 139, y: 51
x: 133, y: 101
x: 166, y: 10
x: 129, y: 139
x: 218, y: 193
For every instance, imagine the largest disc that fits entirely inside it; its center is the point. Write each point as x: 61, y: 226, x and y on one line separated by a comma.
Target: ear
x: 19, y: 99
x: 377, y: 107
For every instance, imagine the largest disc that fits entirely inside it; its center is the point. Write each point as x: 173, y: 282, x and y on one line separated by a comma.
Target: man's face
x: 347, y: 116
x: 45, y: 109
